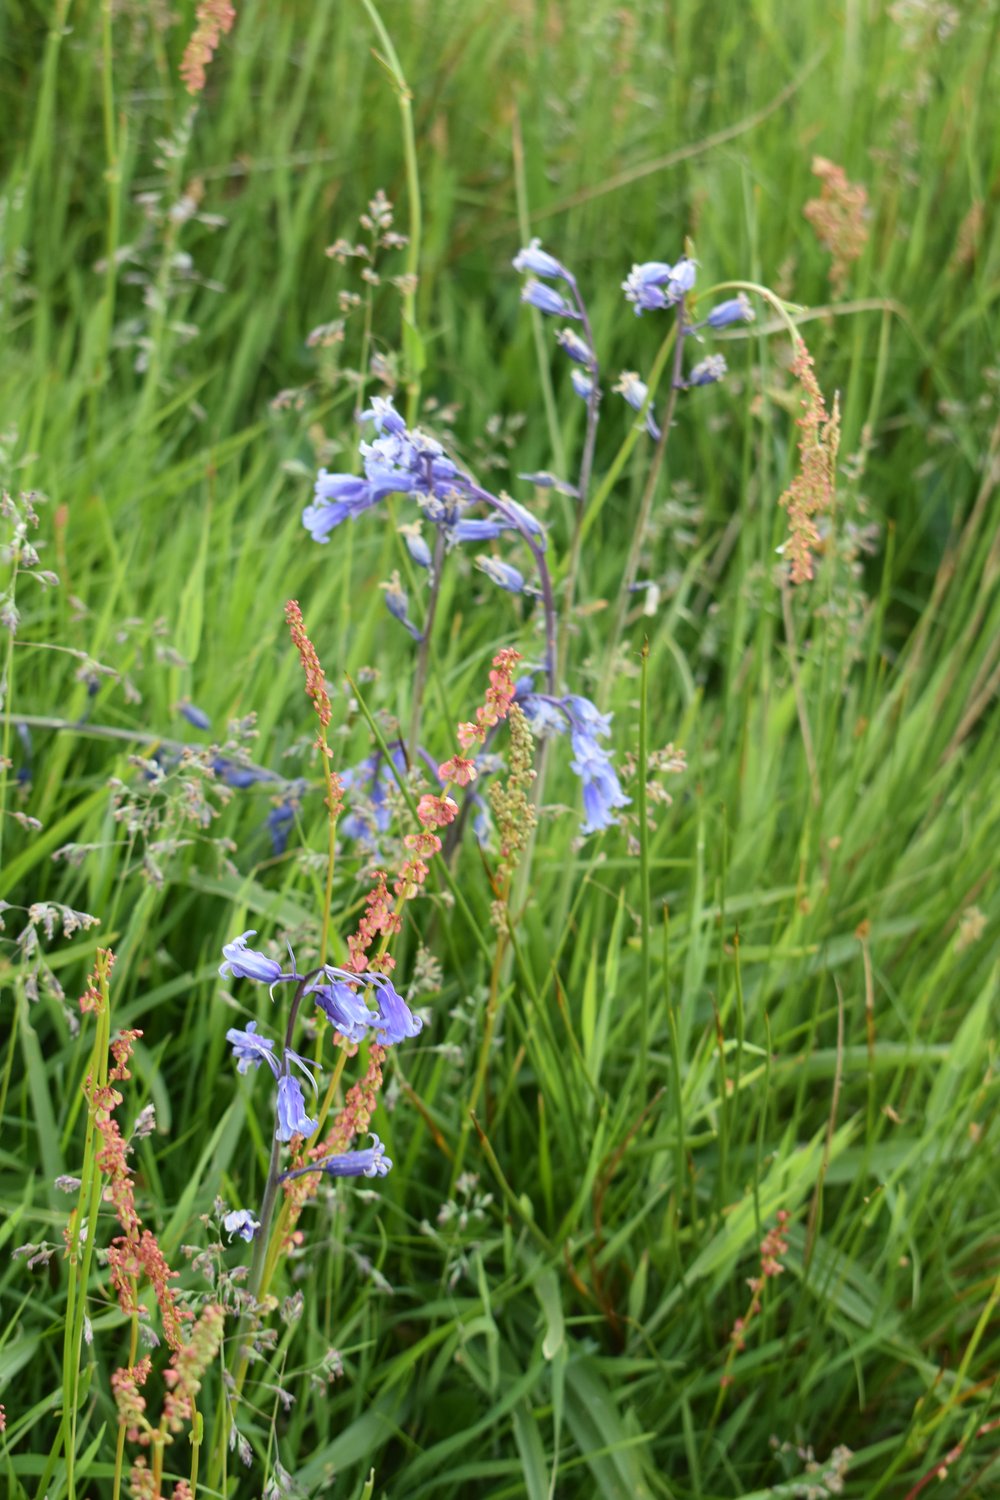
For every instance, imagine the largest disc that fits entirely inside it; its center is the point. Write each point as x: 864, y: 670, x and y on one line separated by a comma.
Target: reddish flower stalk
x: 213, y: 19
x: 772, y: 1247
x: 839, y: 218
x: 382, y: 919
x: 811, y: 492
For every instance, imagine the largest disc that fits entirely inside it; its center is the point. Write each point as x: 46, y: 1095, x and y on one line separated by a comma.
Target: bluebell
x: 246, y: 963
x: 371, y: 1162
x: 537, y: 294
x: 195, y: 715
x: 242, y: 1222
x: 344, y: 1009
x: 735, y: 310
x: 292, y: 1117
x: 539, y: 262
x: 395, y: 1021
x: 250, y: 1050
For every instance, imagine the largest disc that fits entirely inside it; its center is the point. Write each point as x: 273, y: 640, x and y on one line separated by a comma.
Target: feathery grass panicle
x: 213, y: 19
x: 839, y: 217
x: 811, y: 492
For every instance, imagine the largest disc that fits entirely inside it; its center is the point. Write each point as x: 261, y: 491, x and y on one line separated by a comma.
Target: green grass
x: 782, y: 1001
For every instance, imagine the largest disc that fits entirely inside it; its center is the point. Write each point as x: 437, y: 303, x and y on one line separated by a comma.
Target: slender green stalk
x: 645, y: 507
x: 424, y: 650
x: 80, y: 1244
x: 645, y: 913
x: 413, y: 348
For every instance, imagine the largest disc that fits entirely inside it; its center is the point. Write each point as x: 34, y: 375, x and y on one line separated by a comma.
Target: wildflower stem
x: 278, y: 1238
x: 485, y: 1046
x: 423, y: 655
x: 132, y: 1352
x: 88, y: 1204
x: 333, y: 810
x: 8, y: 696
x: 262, y: 1240
x: 644, y: 914
x: 544, y: 576
x: 645, y: 506
x: 582, y: 487
x: 412, y: 345
x: 537, y: 330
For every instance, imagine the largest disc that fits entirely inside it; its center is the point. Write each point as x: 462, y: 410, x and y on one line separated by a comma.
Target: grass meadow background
x: 798, y: 1012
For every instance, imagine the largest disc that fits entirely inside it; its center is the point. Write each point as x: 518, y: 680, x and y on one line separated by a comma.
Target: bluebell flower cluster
x: 586, y: 726
x: 655, y: 285
x: 339, y: 994
x: 543, y: 268
x: 401, y: 461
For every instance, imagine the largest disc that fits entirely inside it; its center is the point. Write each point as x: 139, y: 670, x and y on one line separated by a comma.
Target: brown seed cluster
x: 839, y: 217
x: 213, y: 19
x: 811, y: 492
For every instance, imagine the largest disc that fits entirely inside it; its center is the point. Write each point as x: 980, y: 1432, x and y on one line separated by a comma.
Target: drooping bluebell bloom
x: 337, y: 497
x: 529, y: 522
x: 635, y: 392
x: 585, y: 724
x: 242, y: 962
x: 415, y: 544
x: 242, y: 1222
x: 537, y: 294
x: 292, y: 1117
x: 344, y: 1009
x: 577, y: 348
x: 734, y: 310
x: 582, y: 383
x: 546, y: 481
x: 194, y: 715
x: 371, y: 1162
x: 398, y: 604
x: 602, y: 791
x: 504, y: 575
x: 538, y: 262
x: 655, y: 285
x: 472, y: 528
x: 707, y: 371
x: 384, y: 415
x: 395, y: 1021
x: 250, y: 1050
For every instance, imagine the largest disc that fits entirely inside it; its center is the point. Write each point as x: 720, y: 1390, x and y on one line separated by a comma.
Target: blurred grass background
x: 822, y: 1021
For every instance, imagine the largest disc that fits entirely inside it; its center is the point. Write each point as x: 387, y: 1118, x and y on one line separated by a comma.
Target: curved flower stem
x: 413, y: 350
x: 582, y: 487
x: 423, y: 656
x: 645, y: 506
x: 544, y: 577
